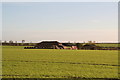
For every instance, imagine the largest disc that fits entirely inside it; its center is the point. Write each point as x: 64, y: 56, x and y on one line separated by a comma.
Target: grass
x: 46, y: 63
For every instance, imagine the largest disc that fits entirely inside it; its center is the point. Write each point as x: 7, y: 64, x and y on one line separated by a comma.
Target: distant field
x: 46, y: 63
x: 107, y: 44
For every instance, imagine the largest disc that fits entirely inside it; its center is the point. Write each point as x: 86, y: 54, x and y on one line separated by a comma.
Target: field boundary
x: 64, y: 62
x: 74, y: 78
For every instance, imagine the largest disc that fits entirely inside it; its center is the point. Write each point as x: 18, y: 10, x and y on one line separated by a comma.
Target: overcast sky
x: 62, y: 21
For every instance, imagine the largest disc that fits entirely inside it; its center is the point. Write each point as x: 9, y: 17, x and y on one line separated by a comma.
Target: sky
x: 59, y: 0
x: 62, y: 21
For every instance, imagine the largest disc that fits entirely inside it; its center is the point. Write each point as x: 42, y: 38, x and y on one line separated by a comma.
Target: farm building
x: 50, y: 45
x: 73, y: 46
x: 90, y: 47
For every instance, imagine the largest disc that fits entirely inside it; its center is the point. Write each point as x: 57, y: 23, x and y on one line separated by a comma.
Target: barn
x: 47, y: 45
x: 52, y: 45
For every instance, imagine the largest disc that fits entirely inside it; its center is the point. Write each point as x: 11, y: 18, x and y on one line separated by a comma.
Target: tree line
x: 15, y: 43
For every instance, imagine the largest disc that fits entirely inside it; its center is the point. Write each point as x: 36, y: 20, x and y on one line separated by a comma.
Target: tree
x: 23, y: 41
x: 78, y: 45
x: 10, y: 41
x: 90, y: 42
x: 15, y: 41
x: 5, y: 42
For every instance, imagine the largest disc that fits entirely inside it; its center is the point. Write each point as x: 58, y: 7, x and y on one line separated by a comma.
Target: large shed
x: 49, y: 45
x: 52, y: 45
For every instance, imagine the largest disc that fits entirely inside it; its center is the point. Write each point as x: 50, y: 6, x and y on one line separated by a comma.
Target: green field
x: 46, y: 63
x: 107, y: 44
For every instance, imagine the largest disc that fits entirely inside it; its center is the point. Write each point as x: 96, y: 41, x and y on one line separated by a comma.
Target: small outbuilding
x: 89, y: 47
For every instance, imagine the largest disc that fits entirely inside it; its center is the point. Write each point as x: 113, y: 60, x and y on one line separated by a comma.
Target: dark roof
x: 69, y: 44
x: 49, y: 42
x: 89, y: 45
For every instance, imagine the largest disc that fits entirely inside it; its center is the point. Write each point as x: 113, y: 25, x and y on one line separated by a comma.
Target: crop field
x: 53, y: 63
x: 107, y: 44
